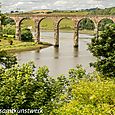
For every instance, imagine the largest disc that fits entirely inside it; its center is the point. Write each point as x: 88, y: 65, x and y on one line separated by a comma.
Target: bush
x: 26, y: 35
x: 96, y: 97
x: 7, y: 60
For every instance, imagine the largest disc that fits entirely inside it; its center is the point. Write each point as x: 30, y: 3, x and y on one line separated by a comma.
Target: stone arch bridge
x: 37, y: 18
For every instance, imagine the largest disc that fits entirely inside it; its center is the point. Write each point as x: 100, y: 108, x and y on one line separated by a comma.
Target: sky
x: 28, y: 5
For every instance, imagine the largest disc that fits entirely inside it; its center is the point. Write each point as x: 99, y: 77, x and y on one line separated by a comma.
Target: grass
x: 19, y: 46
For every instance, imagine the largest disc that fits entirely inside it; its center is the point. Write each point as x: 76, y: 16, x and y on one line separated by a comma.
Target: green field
x: 48, y: 24
x: 66, y: 25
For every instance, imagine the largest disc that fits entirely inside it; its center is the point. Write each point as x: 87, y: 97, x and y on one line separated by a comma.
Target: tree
x: 9, y: 29
x: 23, y: 88
x: 104, y: 49
x: 26, y: 35
x: 6, y: 20
x: 86, y: 24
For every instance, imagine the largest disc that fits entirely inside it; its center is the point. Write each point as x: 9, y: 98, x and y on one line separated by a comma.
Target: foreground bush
x: 88, y: 97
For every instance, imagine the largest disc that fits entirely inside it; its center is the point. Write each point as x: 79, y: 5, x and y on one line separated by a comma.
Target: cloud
x: 27, y: 5
x: 18, y: 4
x: 58, y: 3
x: 43, y: 7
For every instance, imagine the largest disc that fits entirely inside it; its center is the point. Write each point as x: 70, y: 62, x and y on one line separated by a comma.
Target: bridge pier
x: 96, y: 31
x: 37, y: 32
x: 56, y: 35
x: 76, y: 35
x: 18, y: 31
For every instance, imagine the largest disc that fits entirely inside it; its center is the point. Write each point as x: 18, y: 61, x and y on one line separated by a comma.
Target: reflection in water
x: 56, y: 52
x: 75, y: 53
x: 60, y: 59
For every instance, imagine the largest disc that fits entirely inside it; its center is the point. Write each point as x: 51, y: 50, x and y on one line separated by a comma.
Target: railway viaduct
x: 37, y: 18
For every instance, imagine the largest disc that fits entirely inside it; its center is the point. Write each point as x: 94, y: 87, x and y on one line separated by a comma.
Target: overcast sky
x: 27, y: 5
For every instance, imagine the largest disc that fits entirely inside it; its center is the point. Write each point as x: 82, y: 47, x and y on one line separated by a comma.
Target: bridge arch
x: 57, y: 28
x: 25, y: 18
x: 63, y: 19
x: 77, y: 26
x: 102, y: 22
x: 49, y: 24
x: 87, y: 19
x: 28, y: 25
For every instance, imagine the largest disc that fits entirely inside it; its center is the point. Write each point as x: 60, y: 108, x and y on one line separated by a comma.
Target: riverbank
x: 18, y: 46
x: 89, y: 32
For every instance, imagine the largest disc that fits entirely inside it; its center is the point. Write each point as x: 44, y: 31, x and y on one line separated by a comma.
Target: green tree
x: 26, y: 35
x: 6, y: 20
x: 86, y: 24
x: 23, y: 88
x: 104, y: 49
x: 9, y: 29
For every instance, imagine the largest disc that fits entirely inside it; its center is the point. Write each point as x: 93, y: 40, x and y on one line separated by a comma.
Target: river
x: 60, y: 60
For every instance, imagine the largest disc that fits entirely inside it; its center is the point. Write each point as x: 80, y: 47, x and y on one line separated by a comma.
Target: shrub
x: 85, y: 97
x: 26, y: 35
x: 7, y: 60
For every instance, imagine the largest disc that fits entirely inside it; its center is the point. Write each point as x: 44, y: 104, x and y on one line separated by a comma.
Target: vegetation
x: 26, y: 35
x: 86, y: 24
x: 7, y: 60
x: 23, y: 88
x: 106, y: 11
x: 103, y: 48
x: 89, y: 95
x: 9, y: 30
x: 103, y: 23
x: 18, y: 46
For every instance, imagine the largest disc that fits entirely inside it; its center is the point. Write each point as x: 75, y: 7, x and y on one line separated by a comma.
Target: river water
x: 60, y: 60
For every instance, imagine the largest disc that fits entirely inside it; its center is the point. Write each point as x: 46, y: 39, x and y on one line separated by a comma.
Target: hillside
x: 91, y: 11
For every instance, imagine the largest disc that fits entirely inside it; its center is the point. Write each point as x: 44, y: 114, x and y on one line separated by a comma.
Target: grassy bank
x: 19, y: 46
